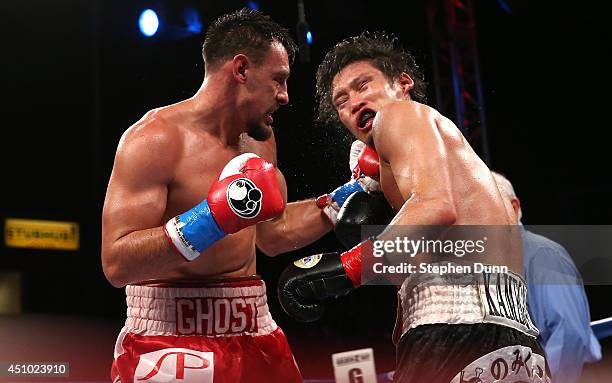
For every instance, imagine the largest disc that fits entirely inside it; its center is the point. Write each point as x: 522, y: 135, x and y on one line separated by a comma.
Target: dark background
x: 76, y: 74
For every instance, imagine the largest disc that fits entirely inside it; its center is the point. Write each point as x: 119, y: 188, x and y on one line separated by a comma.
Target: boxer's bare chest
x: 200, y: 162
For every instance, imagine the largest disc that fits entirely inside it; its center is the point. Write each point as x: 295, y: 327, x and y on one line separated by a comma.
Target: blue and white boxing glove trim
x: 193, y: 231
x: 341, y: 193
x: 332, y: 202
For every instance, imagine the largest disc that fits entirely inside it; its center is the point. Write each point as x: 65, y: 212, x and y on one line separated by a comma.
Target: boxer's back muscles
x: 424, y: 158
x: 166, y: 164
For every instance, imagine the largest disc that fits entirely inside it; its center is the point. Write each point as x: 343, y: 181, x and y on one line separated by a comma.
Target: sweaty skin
x: 166, y: 163
x: 429, y: 173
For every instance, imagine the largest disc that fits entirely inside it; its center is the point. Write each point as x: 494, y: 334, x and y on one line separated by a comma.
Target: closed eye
x: 340, y: 101
x: 363, y: 84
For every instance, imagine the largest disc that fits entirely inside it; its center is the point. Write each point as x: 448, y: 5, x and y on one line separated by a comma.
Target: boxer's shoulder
x: 406, y: 109
x: 393, y: 117
x: 154, y: 130
x: 149, y: 148
x: 398, y: 120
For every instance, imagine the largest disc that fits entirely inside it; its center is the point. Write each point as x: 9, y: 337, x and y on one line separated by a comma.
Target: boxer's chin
x: 260, y: 132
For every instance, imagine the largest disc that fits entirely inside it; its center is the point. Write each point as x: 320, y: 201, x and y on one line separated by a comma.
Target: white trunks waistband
x: 227, y: 308
x: 499, y: 298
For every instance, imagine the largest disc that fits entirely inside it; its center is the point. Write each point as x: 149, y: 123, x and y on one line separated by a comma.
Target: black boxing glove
x: 361, y: 209
x: 305, y: 283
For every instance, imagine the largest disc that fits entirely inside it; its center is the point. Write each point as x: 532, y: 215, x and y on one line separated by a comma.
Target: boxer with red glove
x: 364, y: 165
x: 245, y: 193
x: 304, y: 284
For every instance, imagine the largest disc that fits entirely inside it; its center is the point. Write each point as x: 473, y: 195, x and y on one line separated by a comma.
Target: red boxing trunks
x: 215, y: 332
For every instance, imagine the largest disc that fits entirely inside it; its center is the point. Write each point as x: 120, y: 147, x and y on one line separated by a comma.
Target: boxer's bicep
x: 138, y: 187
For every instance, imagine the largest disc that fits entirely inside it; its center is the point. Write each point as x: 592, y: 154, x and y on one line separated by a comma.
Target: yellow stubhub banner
x: 37, y: 234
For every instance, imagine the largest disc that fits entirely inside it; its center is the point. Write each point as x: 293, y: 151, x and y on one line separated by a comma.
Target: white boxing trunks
x: 219, y: 331
x: 466, y: 328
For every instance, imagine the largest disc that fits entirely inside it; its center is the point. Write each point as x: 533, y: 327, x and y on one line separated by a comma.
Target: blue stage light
x: 309, y: 38
x: 193, y: 21
x: 253, y: 5
x: 148, y: 22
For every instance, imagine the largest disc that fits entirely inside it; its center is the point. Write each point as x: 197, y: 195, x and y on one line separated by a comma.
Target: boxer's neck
x: 214, y: 106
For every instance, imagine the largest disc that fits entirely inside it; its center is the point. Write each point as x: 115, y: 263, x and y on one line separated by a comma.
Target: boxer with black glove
x: 307, y: 282
x: 310, y: 280
x: 304, y: 284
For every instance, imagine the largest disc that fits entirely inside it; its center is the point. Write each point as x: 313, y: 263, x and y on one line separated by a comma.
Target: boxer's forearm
x: 138, y: 256
x: 301, y: 224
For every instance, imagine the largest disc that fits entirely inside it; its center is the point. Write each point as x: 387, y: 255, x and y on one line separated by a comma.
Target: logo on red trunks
x: 172, y: 364
x: 216, y: 316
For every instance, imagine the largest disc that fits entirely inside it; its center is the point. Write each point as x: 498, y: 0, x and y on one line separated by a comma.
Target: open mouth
x: 365, y: 119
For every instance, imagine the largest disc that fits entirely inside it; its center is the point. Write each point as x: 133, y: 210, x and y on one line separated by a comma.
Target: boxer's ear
x: 240, y: 64
x: 405, y: 83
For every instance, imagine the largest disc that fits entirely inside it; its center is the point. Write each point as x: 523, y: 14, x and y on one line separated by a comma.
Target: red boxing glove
x: 247, y: 192
x: 365, y: 166
x: 369, y: 163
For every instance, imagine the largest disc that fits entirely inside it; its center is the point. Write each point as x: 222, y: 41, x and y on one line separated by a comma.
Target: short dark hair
x: 245, y: 31
x: 378, y: 48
